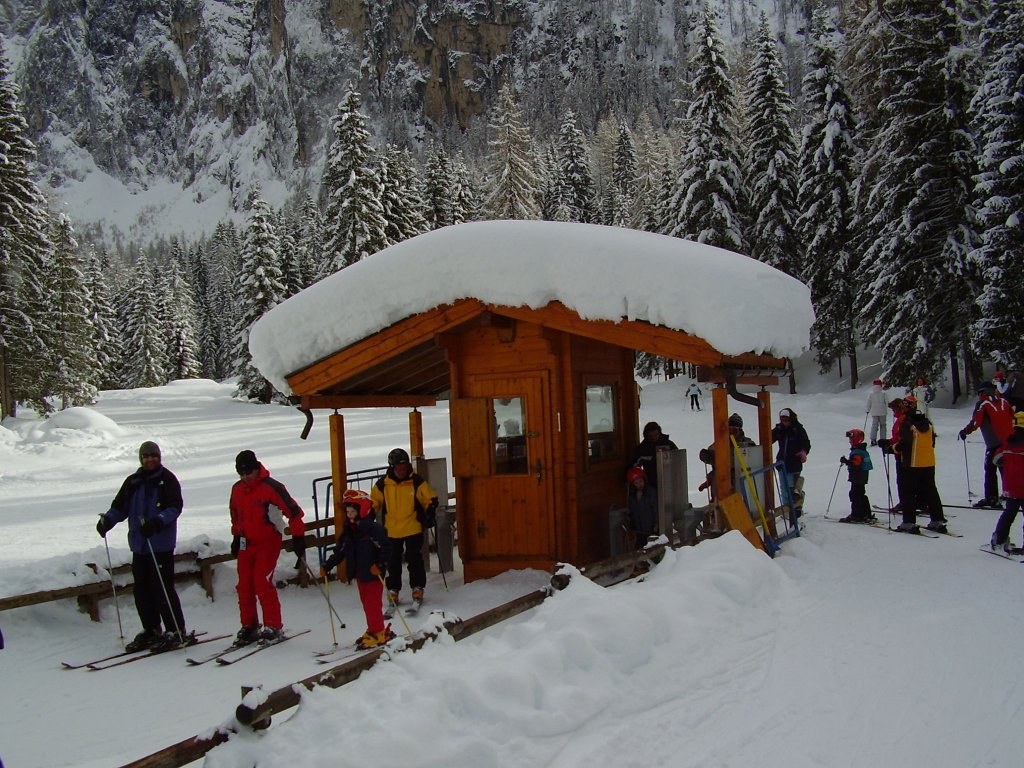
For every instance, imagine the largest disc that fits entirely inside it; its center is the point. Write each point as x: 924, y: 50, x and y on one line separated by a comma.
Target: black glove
x: 299, y: 548
x: 843, y: 460
x: 962, y: 435
x: 885, y: 444
x: 150, y: 526
x: 102, y: 526
x: 236, y: 543
x: 430, y: 515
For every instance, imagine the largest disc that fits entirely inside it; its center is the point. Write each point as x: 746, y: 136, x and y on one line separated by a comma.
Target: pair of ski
x: 334, y: 655
x: 238, y: 651
x: 1012, y: 556
x: 923, y: 533
x: 128, y: 657
x: 410, y: 610
x: 940, y: 533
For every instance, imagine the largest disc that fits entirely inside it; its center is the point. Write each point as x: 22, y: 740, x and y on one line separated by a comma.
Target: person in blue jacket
x: 150, y: 500
x: 858, y: 467
x: 794, y: 445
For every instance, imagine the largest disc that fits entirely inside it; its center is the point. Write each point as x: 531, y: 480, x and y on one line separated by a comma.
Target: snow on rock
x: 71, y: 427
x: 735, y: 303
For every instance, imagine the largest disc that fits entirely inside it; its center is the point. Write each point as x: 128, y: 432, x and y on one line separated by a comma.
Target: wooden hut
x: 543, y: 412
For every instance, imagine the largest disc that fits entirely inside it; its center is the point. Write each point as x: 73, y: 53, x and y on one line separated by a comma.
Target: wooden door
x: 511, y: 510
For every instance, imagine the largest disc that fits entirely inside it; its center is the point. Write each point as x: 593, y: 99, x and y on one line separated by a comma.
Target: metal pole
x: 834, y: 484
x: 967, y: 469
x: 397, y: 609
x: 163, y: 587
x: 117, y: 605
x: 330, y: 609
x: 316, y: 580
x: 440, y: 565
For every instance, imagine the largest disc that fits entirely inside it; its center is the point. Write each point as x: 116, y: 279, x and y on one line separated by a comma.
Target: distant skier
x: 923, y: 393
x: 1010, y: 459
x: 858, y: 467
x: 693, y: 392
x: 993, y: 415
x: 150, y: 500
x: 877, y: 410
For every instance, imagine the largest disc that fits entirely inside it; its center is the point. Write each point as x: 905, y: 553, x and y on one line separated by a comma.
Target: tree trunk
x: 792, y: 376
x: 954, y: 374
x: 853, y: 369
x: 7, y: 405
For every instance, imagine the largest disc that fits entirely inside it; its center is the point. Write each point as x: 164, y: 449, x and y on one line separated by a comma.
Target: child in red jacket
x: 1009, y: 457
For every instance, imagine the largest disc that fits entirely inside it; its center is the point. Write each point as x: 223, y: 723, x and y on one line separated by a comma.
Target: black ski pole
x: 117, y: 605
x: 967, y: 469
x: 440, y: 565
x: 829, y: 507
x: 888, y: 486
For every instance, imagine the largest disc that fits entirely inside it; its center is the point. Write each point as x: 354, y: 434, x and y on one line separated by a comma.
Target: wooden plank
x: 471, y: 436
x: 335, y: 402
x: 738, y: 518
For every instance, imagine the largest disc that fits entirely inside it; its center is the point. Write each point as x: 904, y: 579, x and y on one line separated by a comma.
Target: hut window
x: 509, y: 440
x: 602, y: 425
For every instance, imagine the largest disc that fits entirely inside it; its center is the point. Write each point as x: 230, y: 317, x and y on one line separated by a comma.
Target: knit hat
x: 877, y: 381
x: 785, y: 412
x: 245, y: 462
x: 651, y: 426
x: 149, y: 448
x: 735, y: 420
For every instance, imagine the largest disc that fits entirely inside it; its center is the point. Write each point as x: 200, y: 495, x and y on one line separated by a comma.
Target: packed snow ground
x: 853, y: 647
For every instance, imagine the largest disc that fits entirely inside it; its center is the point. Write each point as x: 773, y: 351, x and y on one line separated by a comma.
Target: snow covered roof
x: 733, y: 302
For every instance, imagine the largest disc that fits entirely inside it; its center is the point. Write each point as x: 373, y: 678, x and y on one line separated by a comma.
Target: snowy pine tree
x: 516, y: 182
x: 310, y: 242
x: 574, y: 180
x: 401, y: 197
x: 917, y: 301
x: 259, y: 290
x: 23, y: 249
x: 180, y: 323
x: 437, y: 189
x: 145, y: 347
x: 827, y: 173
x: 770, y: 159
x: 69, y: 341
x: 106, y: 333
x: 707, y: 195
x: 354, y: 225
x: 998, y: 332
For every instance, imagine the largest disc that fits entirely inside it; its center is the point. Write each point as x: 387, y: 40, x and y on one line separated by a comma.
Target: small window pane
x: 602, y: 429
x: 509, y: 441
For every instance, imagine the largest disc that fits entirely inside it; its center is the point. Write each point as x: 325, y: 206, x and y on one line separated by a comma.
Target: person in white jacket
x: 878, y: 409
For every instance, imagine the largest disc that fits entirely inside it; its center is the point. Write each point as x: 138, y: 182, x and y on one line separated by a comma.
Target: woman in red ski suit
x: 1009, y: 457
x: 260, y: 507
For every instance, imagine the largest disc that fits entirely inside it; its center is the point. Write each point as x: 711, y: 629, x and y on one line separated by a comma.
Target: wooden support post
x: 339, y: 469
x: 415, y: 433
x: 723, y: 447
x: 764, y: 433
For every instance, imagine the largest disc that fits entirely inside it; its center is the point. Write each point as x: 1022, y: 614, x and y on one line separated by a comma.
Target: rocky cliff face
x: 211, y: 97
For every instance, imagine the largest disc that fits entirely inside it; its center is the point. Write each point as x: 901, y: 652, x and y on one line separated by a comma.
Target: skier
x: 707, y: 455
x: 407, y: 507
x: 994, y: 417
x: 258, y: 507
x: 876, y: 409
x: 365, y: 548
x: 917, y: 452
x: 150, y: 499
x: 643, y: 507
x: 1010, y: 459
x: 653, y: 443
x: 922, y: 392
x: 1000, y: 383
x: 693, y: 392
x: 794, y: 445
x: 890, y: 445
x: 858, y: 467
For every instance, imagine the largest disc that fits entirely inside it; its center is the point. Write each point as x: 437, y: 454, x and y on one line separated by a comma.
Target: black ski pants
x: 412, y: 549
x: 922, y: 495
x: 860, y: 507
x: 149, y: 594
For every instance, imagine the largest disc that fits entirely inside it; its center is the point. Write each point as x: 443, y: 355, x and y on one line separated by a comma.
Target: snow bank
x: 734, y: 302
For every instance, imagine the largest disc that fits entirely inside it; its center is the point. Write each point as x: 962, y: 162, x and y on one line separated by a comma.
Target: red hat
x: 634, y: 472
x: 999, y: 375
x: 877, y: 381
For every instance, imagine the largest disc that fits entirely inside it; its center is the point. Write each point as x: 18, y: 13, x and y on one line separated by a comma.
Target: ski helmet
x: 1018, y: 419
x: 359, y: 500
x: 634, y: 472
x: 999, y: 376
x: 856, y: 435
x: 398, y: 456
x: 910, y: 401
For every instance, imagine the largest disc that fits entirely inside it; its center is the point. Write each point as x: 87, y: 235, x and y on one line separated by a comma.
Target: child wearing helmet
x: 365, y: 549
x: 643, y: 506
x: 858, y: 466
x: 1009, y: 458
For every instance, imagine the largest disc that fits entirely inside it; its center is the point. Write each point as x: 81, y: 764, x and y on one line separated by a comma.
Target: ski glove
x: 377, y: 570
x: 963, y: 434
x: 843, y: 460
x: 236, y: 544
x: 150, y: 526
x: 102, y: 526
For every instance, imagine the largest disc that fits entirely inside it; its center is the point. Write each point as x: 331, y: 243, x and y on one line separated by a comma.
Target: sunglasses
x: 151, y: 455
